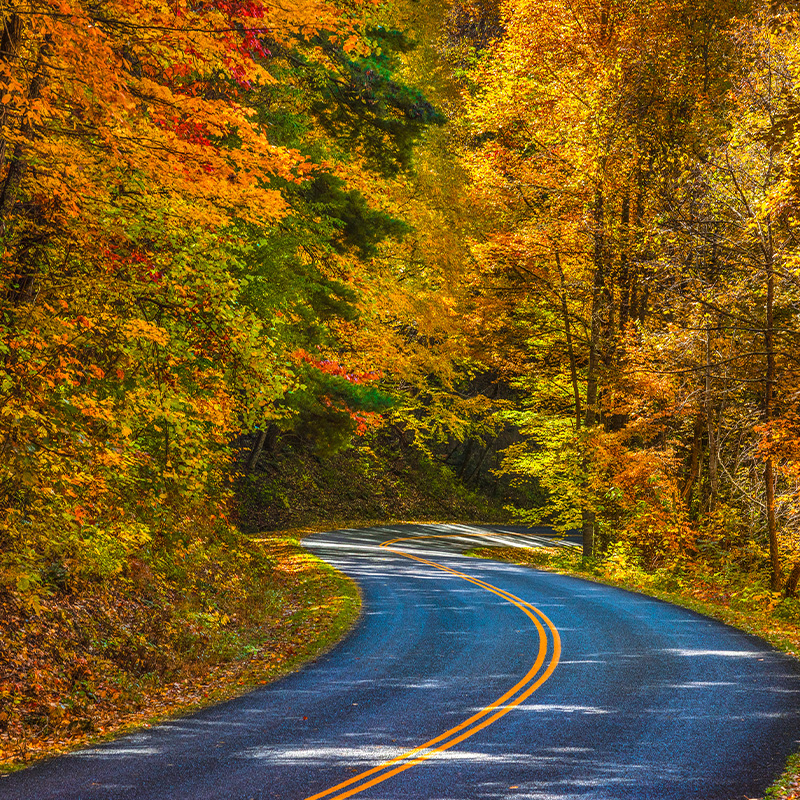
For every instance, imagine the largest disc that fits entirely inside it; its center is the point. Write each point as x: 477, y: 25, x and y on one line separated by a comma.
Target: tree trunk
x: 467, y: 456
x: 18, y: 164
x: 255, y: 453
x: 588, y: 517
x: 625, y: 263
x: 12, y: 34
x: 573, y: 367
x: 641, y: 314
x: 266, y: 439
x: 769, y: 390
x: 694, y: 458
x: 597, y: 297
x: 793, y: 580
x: 474, y: 476
x: 713, y: 472
x: 588, y: 520
x: 605, y: 21
x: 9, y: 52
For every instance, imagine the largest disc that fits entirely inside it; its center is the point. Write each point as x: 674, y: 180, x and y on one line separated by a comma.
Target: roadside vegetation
x: 220, y: 314
x: 376, y: 479
x: 164, y: 638
x: 728, y: 594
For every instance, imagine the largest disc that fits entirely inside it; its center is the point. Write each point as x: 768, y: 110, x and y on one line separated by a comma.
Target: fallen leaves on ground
x: 99, y: 659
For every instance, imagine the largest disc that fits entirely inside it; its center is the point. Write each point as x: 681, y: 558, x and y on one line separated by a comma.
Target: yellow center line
x: 476, y: 722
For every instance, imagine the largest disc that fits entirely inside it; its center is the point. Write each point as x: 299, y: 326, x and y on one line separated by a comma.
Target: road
x: 469, y: 680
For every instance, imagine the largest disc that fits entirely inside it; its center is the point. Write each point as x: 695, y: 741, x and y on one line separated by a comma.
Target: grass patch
x: 787, y: 787
x: 734, y: 599
x: 171, y: 637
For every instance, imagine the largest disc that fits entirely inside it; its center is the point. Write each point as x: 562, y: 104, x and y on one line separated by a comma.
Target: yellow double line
x: 517, y: 694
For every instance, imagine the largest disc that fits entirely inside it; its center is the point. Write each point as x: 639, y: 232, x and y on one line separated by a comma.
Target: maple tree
x: 194, y: 210
x: 180, y: 215
x: 119, y: 318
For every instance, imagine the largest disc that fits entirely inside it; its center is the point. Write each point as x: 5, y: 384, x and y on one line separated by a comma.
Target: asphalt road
x: 470, y: 680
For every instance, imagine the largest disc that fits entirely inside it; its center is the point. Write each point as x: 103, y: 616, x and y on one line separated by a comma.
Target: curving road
x: 470, y: 680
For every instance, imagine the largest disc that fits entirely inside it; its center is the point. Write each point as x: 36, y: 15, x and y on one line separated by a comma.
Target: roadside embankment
x: 93, y: 660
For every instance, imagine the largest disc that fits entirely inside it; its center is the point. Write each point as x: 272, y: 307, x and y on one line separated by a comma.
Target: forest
x: 267, y: 265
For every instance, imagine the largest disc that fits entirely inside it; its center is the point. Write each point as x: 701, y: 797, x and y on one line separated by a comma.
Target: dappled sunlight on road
x: 556, y: 708
x: 365, y: 755
x: 116, y: 752
x: 687, y: 653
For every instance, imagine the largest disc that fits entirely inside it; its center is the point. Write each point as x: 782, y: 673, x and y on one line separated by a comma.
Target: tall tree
x: 579, y: 128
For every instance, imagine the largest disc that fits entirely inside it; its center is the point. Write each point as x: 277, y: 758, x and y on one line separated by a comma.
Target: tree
x: 167, y: 252
x: 578, y: 126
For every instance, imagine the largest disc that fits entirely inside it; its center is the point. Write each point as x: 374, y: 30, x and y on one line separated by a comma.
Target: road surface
x: 472, y: 680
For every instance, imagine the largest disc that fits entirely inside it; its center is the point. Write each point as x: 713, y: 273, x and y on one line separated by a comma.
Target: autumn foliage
x: 637, y: 283
x: 194, y: 205
x: 553, y: 248
x: 171, y: 235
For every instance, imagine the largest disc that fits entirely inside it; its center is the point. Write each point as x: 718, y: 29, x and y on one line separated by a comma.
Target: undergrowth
x: 295, y: 487
x: 190, y: 618
x: 170, y: 635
